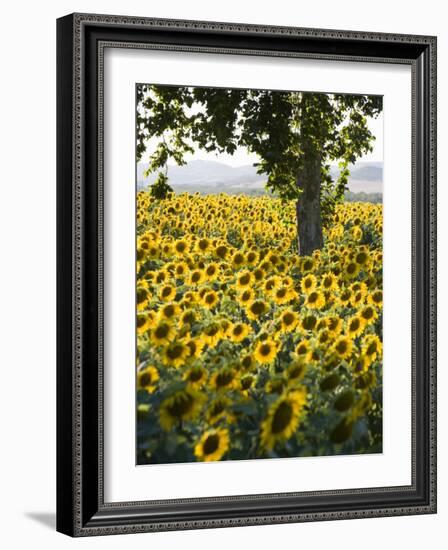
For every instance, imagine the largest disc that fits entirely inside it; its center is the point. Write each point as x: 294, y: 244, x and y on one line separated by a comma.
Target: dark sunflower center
x: 181, y: 405
x: 309, y: 322
x: 245, y: 296
x: 238, y: 259
x: 180, y: 247
x: 140, y: 321
x: 246, y: 382
x: 281, y: 293
x: 211, y: 270
x: 257, y: 308
x: 246, y: 361
x: 196, y: 277
x: 312, y: 298
x: 145, y: 379
x: 265, y: 350
x: 224, y: 379
x: 169, y: 311
x: 354, y: 325
x: 341, y: 347
x: 367, y: 313
x: 162, y: 331
x: 141, y: 295
x: 166, y: 291
x: 288, y: 319
x: 195, y: 375
x: 301, y: 349
x: 371, y: 348
x: 212, y: 330
x: 211, y: 444
x: 210, y: 299
x: 282, y: 417
x: 351, y: 268
x: 203, y: 244
x: 238, y: 330
x: 175, y: 351
x: 361, y: 258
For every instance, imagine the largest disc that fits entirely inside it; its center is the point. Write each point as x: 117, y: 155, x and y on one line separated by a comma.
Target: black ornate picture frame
x: 81, y: 509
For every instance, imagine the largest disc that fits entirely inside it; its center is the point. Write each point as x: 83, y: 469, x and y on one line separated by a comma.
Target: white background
x: 125, y: 482
x: 27, y: 299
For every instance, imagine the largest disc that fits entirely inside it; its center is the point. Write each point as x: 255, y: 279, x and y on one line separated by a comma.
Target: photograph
x: 259, y: 274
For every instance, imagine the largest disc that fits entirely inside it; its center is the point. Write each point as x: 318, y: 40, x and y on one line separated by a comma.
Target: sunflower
x: 168, y: 312
x: 289, y: 320
x: 315, y: 300
x: 307, y: 264
x: 144, y: 321
x: 246, y: 296
x: 303, y: 348
x: 283, y: 295
x: 239, y: 332
x: 142, y: 297
x: 351, y: 270
x: 345, y: 296
x: 282, y: 419
x: 212, y: 334
x: 181, y: 270
x: 376, y: 298
x: 308, y: 283
x: 369, y: 314
x: 355, y: 326
x: 210, y: 299
x: 296, y: 371
x: 238, y: 260
x: 162, y: 333
x: 167, y: 293
x: 188, y: 318
x: 265, y: 351
x: 202, y: 245
x: 196, y: 277
x: 247, y: 361
x: 183, y: 405
x: 180, y: 247
x: 224, y: 379
x: 244, y: 280
x: 334, y: 325
x: 213, y: 445
x: 221, y: 251
x: 343, y: 347
x: 175, y: 354
x: 147, y: 378
x: 329, y: 282
x: 309, y: 322
x: 219, y: 409
x: 371, y: 347
x: 252, y: 257
x: 247, y: 382
x: 257, y: 309
x: 196, y: 376
x: 195, y: 346
x: 272, y: 284
x: 211, y: 271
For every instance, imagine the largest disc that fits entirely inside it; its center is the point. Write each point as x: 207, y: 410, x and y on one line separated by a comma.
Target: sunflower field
x: 245, y: 349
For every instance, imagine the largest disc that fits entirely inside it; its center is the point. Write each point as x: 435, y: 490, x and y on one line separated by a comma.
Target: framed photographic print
x: 246, y: 274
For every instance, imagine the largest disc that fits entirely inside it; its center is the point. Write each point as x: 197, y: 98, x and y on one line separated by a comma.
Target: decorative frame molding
x: 81, y: 42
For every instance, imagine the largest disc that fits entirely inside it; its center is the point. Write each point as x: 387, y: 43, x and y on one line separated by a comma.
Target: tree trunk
x: 309, y: 223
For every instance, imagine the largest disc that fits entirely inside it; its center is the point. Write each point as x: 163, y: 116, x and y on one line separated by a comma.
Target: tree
x: 296, y: 135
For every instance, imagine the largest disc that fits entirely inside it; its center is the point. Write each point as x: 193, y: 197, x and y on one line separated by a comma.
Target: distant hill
x: 208, y: 177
